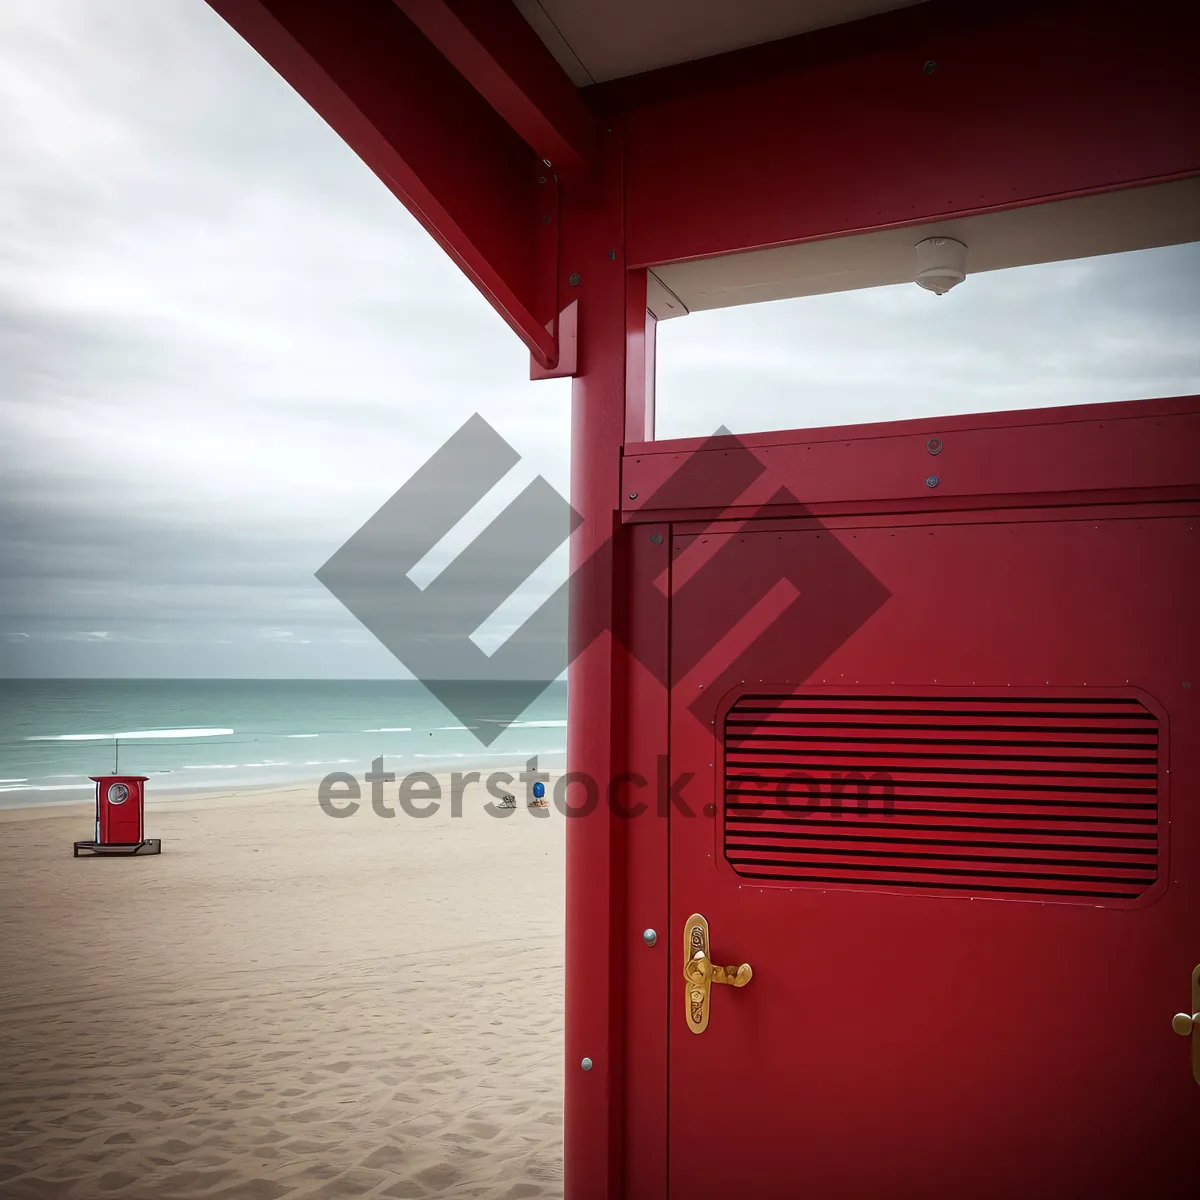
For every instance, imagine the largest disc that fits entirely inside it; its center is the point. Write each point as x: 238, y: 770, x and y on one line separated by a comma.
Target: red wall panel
x: 1047, y: 104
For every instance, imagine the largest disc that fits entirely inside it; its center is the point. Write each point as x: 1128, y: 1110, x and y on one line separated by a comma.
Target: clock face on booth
x: 118, y: 793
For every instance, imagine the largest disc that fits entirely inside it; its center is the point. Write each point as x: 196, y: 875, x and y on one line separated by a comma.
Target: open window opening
x: 1075, y: 302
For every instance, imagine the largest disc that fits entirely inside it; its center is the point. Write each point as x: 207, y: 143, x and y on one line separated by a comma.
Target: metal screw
x: 649, y: 937
x: 929, y: 68
x: 932, y: 481
x: 545, y: 218
x: 633, y: 495
x: 656, y: 540
x: 586, y: 1064
x: 934, y: 445
x: 612, y: 256
x: 541, y: 179
x: 574, y: 280
x: 547, y: 162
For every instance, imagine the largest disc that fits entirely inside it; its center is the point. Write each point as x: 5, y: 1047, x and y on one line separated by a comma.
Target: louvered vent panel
x: 1022, y: 795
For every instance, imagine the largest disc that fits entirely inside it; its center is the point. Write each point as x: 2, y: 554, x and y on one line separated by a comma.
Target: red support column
x: 603, y: 401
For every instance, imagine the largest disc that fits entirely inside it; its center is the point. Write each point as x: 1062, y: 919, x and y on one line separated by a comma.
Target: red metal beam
x: 497, y: 52
x: 442, y: 149
x: 925, y: 121
x: 1021, y: 452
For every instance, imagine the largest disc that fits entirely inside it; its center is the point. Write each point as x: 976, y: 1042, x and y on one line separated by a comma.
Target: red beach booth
x: 964, y: 963
x: 120, y: 817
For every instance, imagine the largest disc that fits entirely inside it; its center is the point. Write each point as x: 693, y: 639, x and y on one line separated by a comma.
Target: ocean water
x: 207, y: 734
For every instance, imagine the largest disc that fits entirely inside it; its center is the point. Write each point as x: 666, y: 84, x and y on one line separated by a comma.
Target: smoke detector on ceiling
x: 941, y: 264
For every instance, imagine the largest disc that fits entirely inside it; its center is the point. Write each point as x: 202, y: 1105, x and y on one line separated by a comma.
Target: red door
x: 120, y: 811
x: 960, y: 852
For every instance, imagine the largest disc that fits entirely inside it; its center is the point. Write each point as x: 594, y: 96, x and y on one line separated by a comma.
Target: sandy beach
x: 282, y: 1004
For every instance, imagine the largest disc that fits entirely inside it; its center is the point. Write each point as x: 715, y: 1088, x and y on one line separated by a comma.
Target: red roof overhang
x: 473, y: 123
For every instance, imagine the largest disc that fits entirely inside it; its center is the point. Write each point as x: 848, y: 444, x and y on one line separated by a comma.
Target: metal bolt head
x: 656, y: 539
x: 929, y: 69
x: 934, y: 445
x: 633, y: 495
x: 650, y: 937
x: 586, y: 1064
x: 574, y: 280
x: 932, y: 481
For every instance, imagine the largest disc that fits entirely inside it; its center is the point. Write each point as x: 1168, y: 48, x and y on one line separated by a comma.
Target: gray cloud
x: 224, y: 344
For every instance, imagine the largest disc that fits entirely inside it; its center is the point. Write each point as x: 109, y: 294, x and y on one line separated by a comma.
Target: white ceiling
x: 1134, y: 219
x: 597, y: 40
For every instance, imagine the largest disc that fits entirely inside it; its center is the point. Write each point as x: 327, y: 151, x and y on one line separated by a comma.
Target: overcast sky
x: 223, y: 345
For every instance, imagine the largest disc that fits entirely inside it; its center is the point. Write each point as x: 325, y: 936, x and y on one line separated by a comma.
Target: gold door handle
x: 1188, y: 1024
x: 700, y: 973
